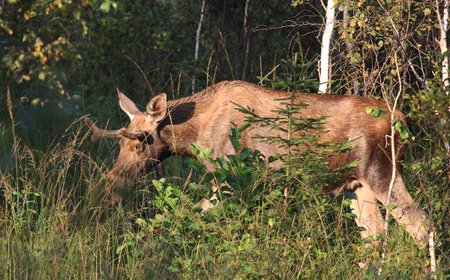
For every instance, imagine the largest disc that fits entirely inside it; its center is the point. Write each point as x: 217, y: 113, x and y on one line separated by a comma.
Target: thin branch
x: 197, y: 41
x: 143, y: 74
x: 394, y: 161
x: 246, y: 41
x: 402, y: 45
x: 349, y: 47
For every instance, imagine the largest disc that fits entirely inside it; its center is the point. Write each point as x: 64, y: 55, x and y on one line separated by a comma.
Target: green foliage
x: 428, y: 158
x: 431, y: 106
x: 375, y: 112
x: 296, y: 75
x: 402, y: 129
x: 54, y: 212
x: 430, y: 109
x: 306, y: 157
x: 250, y: 233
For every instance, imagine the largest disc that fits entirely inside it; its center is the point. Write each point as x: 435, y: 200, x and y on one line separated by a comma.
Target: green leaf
x: 205, y: 153
x: 416, y: 166
x: 141, y: 222
x: 391, y: 207
x: 245, y: 153
x: 105, y: 6
x: 235, y: 142
x: 349, y: 215
x: 195, y: 148
x: 402, y: 129
x: 41, y: 76
x: 375, y: 112
x: 368, y: 110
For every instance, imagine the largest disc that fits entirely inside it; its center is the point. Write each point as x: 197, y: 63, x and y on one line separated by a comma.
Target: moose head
x: 141, y: 147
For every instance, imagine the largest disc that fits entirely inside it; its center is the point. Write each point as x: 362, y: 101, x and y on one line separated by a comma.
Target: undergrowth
x: 56, y: 222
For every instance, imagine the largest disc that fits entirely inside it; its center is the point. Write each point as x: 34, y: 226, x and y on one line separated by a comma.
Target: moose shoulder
x: 205, y: 118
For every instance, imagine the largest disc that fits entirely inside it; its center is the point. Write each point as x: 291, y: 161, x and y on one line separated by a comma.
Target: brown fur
x: 206, y: 118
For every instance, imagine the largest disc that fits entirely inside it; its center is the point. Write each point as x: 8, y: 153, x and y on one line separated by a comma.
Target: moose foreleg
x: 368, y: 215
x: 406, y: 212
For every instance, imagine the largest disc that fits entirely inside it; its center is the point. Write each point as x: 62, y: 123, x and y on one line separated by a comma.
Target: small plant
x: 297, y: 74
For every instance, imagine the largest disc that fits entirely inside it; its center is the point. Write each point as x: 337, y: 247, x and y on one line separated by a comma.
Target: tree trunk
x: 197, y: 41
x: 325, y: 68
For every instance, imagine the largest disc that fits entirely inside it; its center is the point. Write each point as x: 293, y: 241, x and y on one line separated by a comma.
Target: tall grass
x: 56, y: 222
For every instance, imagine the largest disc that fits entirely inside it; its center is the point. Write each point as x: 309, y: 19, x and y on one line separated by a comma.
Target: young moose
x: 169, y: 127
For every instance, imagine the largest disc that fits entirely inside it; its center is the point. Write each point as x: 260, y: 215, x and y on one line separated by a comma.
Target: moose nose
x: 115, y: 180
x: 111, y: 177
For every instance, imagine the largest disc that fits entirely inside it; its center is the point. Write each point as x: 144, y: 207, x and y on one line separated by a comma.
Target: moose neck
x: 180, y: 127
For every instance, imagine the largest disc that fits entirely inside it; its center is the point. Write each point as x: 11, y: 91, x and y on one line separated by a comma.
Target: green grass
x: 56, y: 223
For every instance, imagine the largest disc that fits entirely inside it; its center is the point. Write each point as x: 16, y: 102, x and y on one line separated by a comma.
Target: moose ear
x: 127, y: 105
x: 157, y: 107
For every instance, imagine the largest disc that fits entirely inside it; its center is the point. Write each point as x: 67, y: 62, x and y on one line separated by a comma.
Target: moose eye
x: 146, y: 138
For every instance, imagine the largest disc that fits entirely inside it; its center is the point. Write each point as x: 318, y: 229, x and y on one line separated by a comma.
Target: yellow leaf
x: 35, y: 101
x: 24, y: 99
x: 361, y: 23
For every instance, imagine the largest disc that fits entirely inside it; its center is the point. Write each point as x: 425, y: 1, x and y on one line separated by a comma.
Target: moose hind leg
x: 407, y: 212
x: 368, y: 215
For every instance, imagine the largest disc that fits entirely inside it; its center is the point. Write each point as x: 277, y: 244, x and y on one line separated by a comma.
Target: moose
x: 205, y: 118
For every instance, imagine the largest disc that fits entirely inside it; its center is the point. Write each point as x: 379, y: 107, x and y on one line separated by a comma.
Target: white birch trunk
x: 443, y: 44
x: 325, y: 50
x: 443, y: 22
x: 197, y: 41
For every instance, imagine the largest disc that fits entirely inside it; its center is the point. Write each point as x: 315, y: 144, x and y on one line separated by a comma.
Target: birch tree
x: 325, y: 69
x: 443, y: 28
x: 197, y: 41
